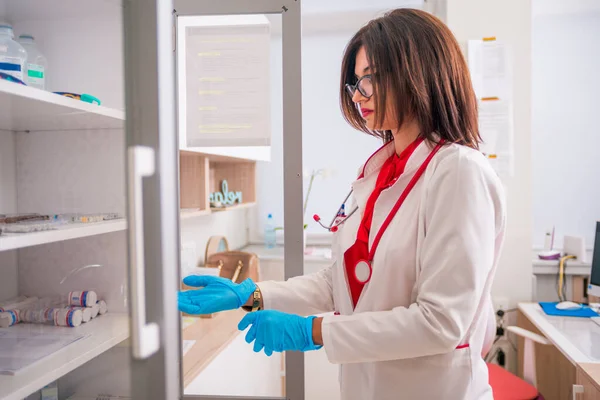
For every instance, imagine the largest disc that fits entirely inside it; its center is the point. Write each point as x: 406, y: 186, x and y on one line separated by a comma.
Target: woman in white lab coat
x: 416, y: 255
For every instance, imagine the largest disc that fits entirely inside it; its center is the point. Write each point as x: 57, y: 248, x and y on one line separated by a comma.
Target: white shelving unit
x: 79, y: 148
x: 24, y: 108
x: 12, y: 241
x: 105, y: 332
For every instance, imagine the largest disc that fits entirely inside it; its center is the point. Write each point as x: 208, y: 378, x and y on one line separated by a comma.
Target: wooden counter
x: 570, y: 361
x: 588, y: 375
x: 212, y: 335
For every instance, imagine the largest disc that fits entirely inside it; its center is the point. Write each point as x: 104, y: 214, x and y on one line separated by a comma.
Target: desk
x: 576, y: 280
x: 572, y: 358
x: 211, y: 336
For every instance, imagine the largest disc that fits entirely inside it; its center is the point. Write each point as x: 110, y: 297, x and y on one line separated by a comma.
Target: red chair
x: 507, y: 386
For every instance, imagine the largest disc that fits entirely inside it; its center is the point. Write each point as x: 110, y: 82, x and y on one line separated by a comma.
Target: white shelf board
x: 106, y: 331
x: 24, y: 108
x: 11, y: 241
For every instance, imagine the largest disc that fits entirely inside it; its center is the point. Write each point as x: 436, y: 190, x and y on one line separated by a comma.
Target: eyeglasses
x: 364, y: 86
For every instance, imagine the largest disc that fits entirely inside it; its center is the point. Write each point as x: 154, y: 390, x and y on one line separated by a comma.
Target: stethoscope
x: 363, y: 268
x: 339, y: 218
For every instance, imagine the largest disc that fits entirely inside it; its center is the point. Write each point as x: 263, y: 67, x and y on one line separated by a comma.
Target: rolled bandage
x: 82, y: 299
x: 9, y: 318
x: 48, y: 314
x: 95, y: 310
x: 29, y: 315
x: 86, y: 313
x: 68, y: 317
x: 103, y: 307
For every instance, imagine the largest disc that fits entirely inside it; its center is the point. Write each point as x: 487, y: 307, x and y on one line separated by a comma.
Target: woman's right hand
x: 216, y: 294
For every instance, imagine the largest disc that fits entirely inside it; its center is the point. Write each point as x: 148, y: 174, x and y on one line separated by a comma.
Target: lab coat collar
x: 365, y: 183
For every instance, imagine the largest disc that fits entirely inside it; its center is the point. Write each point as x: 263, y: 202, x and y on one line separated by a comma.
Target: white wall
x: 231, y: 224
x: 509, y: 21
x: 565, y: 130
x: 328, y: 141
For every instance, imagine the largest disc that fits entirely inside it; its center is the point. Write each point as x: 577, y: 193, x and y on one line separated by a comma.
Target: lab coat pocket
x: 453, y: 371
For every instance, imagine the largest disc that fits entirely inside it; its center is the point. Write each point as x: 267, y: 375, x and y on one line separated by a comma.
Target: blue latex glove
x: 278, y: 331
x: 218, y: 294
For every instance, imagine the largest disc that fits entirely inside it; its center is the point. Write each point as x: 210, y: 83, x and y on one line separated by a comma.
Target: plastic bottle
x: 12, y: 54
x: 103, y: 307
x: 270, y: 235
x: 36, y: 64
x: 68, y: 317
x: 83, y: 299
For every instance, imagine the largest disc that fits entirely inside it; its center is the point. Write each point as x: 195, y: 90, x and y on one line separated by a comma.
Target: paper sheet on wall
x: 490, y: 68
x: 489, y: 65
x: 496, y: 129
x: 227, y: 85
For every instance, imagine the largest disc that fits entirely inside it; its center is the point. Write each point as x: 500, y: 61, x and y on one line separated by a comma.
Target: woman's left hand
x: 278, y: 331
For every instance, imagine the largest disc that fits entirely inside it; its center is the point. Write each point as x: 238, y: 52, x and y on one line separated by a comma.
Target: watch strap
x: 256, y: 297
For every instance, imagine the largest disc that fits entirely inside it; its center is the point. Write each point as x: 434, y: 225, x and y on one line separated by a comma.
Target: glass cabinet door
x: 238, y: 79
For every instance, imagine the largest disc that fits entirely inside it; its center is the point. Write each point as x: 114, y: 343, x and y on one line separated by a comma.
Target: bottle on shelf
x: 270, y: 234
x: 12, y: 54
x: 36, y: 65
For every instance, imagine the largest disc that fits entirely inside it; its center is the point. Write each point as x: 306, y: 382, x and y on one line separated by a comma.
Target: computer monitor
x: 594, y: 286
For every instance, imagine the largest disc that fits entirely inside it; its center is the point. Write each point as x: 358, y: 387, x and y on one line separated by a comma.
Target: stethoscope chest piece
x: 362, y: 271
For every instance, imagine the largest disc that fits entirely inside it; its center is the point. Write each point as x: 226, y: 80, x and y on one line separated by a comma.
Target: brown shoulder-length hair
x: 416, y: 60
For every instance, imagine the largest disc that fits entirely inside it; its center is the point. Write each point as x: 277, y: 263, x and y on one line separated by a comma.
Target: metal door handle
x: 145, y: 337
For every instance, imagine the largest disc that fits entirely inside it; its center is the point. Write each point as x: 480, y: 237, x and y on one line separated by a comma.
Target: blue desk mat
x: 584, y: 312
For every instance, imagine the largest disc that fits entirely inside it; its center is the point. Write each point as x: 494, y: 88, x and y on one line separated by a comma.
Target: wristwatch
x: 256, y: 296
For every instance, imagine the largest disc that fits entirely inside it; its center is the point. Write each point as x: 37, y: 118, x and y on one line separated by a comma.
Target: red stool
x: 507, y: 386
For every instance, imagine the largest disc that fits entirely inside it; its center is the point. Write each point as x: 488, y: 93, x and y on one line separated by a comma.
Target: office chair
x: 507, y: 386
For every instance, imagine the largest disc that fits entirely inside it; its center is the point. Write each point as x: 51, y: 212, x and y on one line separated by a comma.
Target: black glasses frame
x: 353, y: 88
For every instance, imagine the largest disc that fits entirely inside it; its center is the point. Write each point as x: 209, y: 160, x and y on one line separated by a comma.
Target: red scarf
x: 388, y: 175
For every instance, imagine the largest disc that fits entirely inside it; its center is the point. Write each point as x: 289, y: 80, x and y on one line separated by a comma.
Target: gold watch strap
x: 256, y: 296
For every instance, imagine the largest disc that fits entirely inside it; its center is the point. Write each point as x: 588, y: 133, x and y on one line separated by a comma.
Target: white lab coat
x: 430, y: 288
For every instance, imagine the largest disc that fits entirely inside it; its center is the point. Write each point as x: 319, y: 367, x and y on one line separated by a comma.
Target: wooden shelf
x: 231, y: 154
x: 24, y: 108
x: 201, y: 174
x: 236, y: 207
x: 11, y: 241
x: 105, y: 332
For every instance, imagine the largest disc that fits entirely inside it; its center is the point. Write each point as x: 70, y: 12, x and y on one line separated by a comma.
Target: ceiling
x: 563, y: 7
x: 33, y: 10
x: 334, y: 6
x: 319, y: 16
